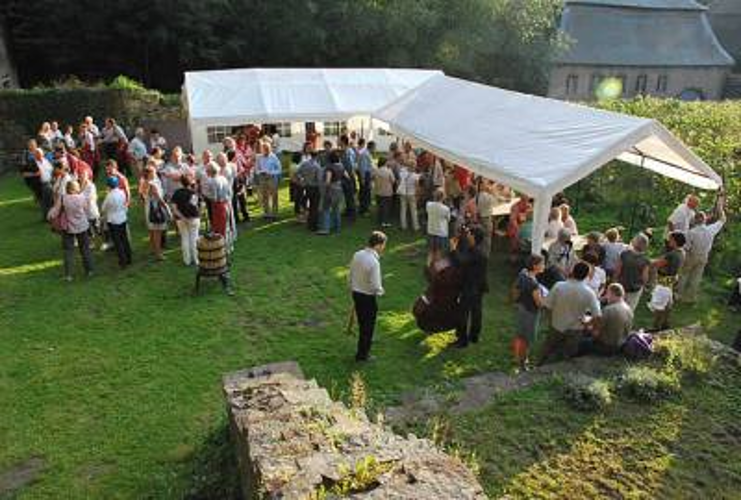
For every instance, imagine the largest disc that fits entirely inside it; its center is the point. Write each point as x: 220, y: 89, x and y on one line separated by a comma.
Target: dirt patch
x: 313, y: 323
x: 94, y: 471
x: 479, y: 390
x: 21, y: 475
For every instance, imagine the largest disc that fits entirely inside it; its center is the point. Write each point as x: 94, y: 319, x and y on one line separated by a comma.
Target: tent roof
x: 237, y: 96
x: 622, y: 34
x: 536, y: 145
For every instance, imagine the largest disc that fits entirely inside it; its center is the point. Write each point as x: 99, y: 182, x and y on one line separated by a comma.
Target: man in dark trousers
x: 366, y: 285
x: 471, y: 259
x: 349, y: 187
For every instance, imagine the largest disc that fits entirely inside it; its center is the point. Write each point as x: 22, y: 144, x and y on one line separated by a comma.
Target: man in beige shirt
x: 383, y: 181
x: 485, y: 202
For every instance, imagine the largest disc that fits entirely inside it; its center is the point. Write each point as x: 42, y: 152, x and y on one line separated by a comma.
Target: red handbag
x: 58, y: 220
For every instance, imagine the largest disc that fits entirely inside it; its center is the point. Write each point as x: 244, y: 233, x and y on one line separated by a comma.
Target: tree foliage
x: 505, y: 42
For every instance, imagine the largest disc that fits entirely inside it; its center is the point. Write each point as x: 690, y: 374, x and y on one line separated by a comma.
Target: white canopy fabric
x: 238, y: 96
x: 537, y: 146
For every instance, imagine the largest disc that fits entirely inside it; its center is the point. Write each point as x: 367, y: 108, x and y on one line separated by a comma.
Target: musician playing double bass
x: 469, y: 257
x: 457, y: 282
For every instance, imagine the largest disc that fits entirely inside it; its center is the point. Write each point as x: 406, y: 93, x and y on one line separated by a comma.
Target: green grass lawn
x: 114, y: 382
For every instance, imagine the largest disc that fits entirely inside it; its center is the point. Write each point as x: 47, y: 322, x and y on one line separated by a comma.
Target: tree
x: 505, y: 42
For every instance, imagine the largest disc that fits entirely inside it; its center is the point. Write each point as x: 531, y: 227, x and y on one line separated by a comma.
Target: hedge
x: 23, y: 110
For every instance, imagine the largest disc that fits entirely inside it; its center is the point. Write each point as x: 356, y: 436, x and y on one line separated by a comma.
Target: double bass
x: 438, y: 308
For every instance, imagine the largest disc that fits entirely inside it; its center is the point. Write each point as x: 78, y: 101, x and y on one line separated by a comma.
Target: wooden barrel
x: 212, y: 259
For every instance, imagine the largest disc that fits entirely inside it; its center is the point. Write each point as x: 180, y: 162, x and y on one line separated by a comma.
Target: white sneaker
x: 104, y: 247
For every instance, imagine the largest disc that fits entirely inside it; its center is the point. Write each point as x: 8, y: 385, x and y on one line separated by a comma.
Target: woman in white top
x: 74, y: 205
x: 69, y: 139
x: 45, y: 137
x: 568, y: 221
x: 554, y: 223
x: 60, y: 179
x: 90, y: 192
x: 407, y: 191
x: 597, y: 279
x: 154, y: 206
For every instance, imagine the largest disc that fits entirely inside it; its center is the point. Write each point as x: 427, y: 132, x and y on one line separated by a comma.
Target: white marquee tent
x: 537, y: 146
x: 239, y: 96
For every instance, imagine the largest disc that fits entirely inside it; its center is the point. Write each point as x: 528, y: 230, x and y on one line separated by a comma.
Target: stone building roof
x: 725, y: 17
x: 668, y: 33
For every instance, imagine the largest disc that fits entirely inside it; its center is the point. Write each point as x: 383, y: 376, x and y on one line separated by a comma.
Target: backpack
x: 638, y: 345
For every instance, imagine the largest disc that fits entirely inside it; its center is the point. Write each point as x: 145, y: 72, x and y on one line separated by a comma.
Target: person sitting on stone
x: 574, y: 307
x: 616, y: 324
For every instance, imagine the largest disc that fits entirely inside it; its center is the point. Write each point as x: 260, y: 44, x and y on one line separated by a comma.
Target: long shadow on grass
x: 212, y: 473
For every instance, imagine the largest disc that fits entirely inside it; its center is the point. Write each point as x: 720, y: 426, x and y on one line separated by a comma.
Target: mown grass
x: 115, y: 381
x: 533, y: 445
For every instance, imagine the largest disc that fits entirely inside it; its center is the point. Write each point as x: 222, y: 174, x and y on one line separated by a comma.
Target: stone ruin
x: 294, y: 442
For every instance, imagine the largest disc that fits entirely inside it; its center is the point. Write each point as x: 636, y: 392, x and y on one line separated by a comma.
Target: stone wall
x: 23, y: 111
x: 294, y: 442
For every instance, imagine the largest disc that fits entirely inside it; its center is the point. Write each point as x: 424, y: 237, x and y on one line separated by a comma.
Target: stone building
x: 8, y: 78
x: 665, y: 48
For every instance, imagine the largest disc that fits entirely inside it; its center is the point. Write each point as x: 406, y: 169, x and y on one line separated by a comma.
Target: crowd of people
x: 591, y: 296
x: 174, y: 189
x: 591, y: 291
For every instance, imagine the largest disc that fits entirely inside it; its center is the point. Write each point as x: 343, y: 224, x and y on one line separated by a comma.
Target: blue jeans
x: 332, y: 219
x: 331, y: 215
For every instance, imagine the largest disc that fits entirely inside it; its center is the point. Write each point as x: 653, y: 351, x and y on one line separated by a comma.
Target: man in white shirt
x: 485, y: 202
x: 172, y: 171
x: 438, y: 223
x: 365, y: 285
x: 697, y: 250
x: 573, y: 306
x: 138, y: 151
x: 407, y: 191
x: 115, y: 211
x: 682, y: 216
x: 91, y: 126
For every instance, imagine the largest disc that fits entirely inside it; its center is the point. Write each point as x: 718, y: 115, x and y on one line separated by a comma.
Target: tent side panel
x: 199, y: 138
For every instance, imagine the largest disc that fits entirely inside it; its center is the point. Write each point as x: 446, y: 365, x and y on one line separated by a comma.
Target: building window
x: 382, y: 132
x: 594, y: 82
x: 217, y: 134
x: 641, y: 84
x: 662, y: 84
x: 335, y: 129
x: 572, y: 84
